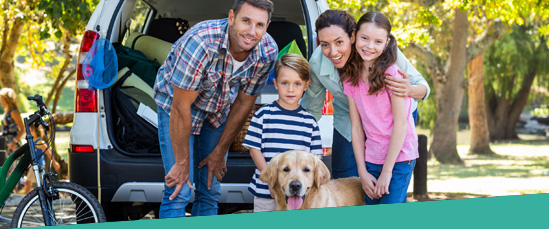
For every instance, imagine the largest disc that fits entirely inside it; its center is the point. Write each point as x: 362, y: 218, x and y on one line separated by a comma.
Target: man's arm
x: 180, y: 131
x: 240, y: 110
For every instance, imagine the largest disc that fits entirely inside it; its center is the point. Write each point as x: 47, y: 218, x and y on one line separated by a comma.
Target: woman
x: 336, y: 34
x: 12, y: 124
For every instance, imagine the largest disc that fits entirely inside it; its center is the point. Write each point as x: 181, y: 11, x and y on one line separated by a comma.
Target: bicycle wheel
x: 74, y: 205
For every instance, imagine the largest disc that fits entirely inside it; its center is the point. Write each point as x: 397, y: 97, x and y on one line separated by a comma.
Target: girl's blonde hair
x: 10, y: 97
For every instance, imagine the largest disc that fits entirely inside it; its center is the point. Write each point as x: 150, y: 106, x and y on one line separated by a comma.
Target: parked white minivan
x: 131, y: 182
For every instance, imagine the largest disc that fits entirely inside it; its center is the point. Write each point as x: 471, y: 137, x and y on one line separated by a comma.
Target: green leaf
x: 58, y: 34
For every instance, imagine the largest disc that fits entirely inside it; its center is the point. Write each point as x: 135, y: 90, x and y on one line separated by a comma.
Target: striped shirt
x: 200, y: 61
x: 275, y: 130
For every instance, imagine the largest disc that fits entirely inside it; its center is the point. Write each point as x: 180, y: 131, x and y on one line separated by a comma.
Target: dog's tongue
x: 295, y: 202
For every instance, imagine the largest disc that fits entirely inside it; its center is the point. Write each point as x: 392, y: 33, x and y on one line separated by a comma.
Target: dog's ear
x: 269, y: 175
x: 322, y: 174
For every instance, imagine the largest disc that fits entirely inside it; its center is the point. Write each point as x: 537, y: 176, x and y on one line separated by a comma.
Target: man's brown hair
x: 262, y: 4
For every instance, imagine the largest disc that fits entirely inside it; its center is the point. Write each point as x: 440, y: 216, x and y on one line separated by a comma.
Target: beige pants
x: 264, y: 204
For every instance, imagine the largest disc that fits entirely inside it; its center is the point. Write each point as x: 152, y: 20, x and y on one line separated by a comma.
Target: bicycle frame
x: 7, y: 186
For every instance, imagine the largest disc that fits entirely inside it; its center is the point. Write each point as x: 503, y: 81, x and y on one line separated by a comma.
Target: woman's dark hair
x: 336, y: 17
x: 380, y: 65
x: 347, y: 22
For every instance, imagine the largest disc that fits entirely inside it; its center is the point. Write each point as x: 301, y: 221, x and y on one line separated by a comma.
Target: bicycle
x: 51, y: 202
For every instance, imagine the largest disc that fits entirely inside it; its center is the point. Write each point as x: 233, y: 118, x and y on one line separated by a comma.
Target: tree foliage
x: 515, y: 65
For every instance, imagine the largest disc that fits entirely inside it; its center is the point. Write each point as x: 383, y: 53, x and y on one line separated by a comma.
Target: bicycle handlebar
x: 43, y: 110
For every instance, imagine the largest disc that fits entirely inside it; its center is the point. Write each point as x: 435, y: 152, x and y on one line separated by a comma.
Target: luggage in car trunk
x: 132, y: 132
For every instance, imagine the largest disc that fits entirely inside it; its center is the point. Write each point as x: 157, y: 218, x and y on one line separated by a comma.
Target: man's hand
x: 216, y: 165
x: 178, y: 176
x: 399, y: 87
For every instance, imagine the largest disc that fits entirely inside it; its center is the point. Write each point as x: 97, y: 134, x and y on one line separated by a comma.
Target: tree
x: 513, y: 65
x: 450, y: 82
x: 14, y: 16
x: 480, y: 135
x: 447, y: 63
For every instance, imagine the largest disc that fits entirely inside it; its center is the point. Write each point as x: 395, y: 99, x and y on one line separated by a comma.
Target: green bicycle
x: 51, y: 202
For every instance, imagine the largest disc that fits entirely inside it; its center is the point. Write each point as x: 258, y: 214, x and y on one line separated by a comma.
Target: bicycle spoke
x: 39, y: 218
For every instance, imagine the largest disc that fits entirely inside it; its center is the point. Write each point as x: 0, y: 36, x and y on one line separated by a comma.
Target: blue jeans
x: 343, y: 158
x: 205, y: 201
x: 402, y: 173
x: 414, y: 114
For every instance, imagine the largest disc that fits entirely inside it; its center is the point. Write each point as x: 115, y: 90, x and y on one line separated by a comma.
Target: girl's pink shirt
x: 377, y: 119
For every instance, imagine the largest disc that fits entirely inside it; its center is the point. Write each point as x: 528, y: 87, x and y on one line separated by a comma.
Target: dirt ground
x: 433, y: 196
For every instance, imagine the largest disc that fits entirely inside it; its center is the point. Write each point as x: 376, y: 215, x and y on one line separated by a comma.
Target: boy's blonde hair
x: 10, y: 97
x: 295, y: 62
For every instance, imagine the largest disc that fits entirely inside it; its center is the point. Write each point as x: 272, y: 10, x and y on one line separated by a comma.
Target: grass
x: 62, y: 144
x: 519, y: 167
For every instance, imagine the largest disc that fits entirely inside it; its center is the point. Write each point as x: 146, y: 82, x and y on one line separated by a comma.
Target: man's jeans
x: 400, y: 180
x: 200, y: 146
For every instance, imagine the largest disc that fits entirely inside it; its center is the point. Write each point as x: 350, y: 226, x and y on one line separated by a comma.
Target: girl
x: 12, y: 124
x: 336, y: 34
x: 386, y: 159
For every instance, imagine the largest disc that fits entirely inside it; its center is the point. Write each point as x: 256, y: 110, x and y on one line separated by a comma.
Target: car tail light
x: 82, y: 149
x: 327, y: 152
x: 85, y: 99
x: 328, y: 108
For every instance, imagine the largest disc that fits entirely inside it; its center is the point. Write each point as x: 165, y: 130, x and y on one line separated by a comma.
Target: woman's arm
x: 395, y: 144
x: 358, y: 138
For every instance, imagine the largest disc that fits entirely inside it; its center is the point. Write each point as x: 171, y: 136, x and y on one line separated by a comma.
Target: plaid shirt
x: 200, y: 61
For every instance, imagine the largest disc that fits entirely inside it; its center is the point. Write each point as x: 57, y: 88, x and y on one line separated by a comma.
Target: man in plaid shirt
x: 194, y: 89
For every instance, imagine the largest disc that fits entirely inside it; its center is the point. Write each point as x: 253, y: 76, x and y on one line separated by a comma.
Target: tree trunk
x: 68, y: 57
x: 480, y: 136
x: 63, y: 118
x: 7, y: 76
x: 503, y: 121
x: 444, y: 145
x: 506, y: 116
x: 60, y: 90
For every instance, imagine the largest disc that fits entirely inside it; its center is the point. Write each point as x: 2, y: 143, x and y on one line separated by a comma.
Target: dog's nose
x: 295, y: 186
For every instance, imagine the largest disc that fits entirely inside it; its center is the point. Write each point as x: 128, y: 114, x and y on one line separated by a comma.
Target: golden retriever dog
x: 300, y: 180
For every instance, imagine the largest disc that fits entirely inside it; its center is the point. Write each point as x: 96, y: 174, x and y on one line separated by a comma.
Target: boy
x: 281, y: 126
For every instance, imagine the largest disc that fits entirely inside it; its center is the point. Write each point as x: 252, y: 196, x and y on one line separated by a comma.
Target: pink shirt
x: 377, y: 119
